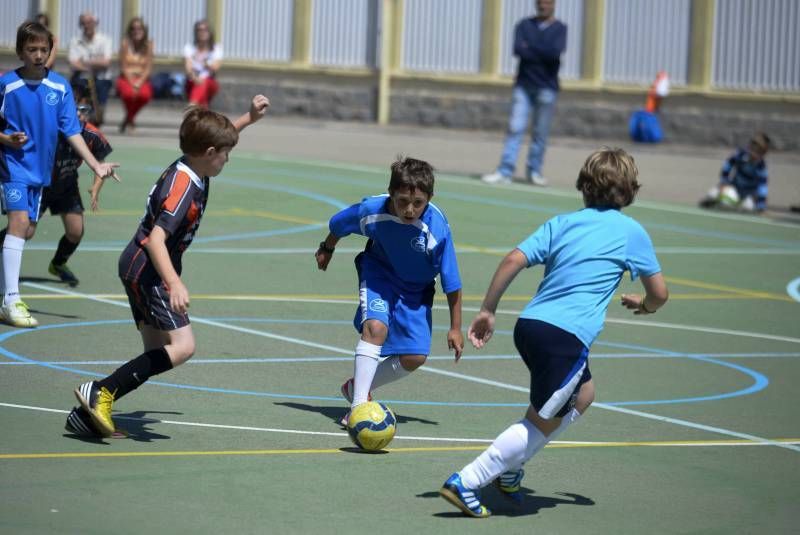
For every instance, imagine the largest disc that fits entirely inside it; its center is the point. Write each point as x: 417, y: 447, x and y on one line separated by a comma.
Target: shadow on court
x: 336, y: 413
x: 135, y: 424
x: 499, y: 505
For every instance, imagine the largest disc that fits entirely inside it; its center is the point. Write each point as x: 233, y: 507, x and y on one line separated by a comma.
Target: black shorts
x: 558, y: 363
x: 65, y: 200
x: 150, y: 304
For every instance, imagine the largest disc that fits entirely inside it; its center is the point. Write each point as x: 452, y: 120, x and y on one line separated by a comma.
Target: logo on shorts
x: 13, y: 195
x: 418, y: 244
x: 51, y: 98
x: 377, y: 305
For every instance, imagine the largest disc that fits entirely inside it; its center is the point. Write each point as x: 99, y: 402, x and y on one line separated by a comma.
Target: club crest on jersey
x: 377, y: 305
x: 51, y: 98
x: 13, y: 195
x: 418, y: 244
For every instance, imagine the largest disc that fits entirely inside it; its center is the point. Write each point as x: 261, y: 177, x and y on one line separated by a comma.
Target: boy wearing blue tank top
x: 585, y: 255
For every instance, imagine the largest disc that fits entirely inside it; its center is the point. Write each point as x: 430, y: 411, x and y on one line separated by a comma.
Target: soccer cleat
x: 347, y: 391
x: 17, y: 315
x: 64, y: 273
x: 537, y: 180
x: 79, y: 422
x: 467, y: 500
x: 345, y: 419
x: 496, y: 178
x: 98, y: 403
x: 509, y: 484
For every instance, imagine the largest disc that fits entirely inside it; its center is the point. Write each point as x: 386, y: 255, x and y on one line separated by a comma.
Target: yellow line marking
x: 742, y: 292
x: 223, y: 453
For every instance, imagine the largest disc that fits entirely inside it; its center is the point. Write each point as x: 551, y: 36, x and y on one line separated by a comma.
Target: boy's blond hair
x: 608, y: 178
x: 202, y: 129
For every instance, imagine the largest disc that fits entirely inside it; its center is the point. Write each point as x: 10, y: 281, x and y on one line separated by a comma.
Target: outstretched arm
x: 482, y: 327
x: 103, y: 170
x: 258, y: 108
x: 656, y: 295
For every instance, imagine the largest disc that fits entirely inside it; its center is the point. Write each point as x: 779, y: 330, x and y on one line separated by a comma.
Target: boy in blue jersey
x: 585, y: 254
x: 409, y: 245
x: 36, y: 105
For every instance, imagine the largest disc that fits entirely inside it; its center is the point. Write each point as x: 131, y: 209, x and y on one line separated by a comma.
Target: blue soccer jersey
x: 411, y: 254
x: 42, y: 110
x: 585, y: 254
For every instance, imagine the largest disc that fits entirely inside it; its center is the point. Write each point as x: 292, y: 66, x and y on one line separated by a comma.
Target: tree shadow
x: 501, y: 505
x: 336, y: 413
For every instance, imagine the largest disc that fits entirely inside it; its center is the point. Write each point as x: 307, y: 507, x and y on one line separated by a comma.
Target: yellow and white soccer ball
x: 371, y: 426
x: 728, y: 196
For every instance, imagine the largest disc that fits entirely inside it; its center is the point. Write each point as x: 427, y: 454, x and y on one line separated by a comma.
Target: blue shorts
x: 23, y: 198
x: 558, y: 363
x: 406, y: 314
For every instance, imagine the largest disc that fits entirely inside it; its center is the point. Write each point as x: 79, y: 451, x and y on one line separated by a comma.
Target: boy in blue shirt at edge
x: 585, y: 254
x: 36, y: 104
x: 409, y: 245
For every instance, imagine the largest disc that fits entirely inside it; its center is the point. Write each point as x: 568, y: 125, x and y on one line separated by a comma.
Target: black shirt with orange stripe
x: 175, y: 203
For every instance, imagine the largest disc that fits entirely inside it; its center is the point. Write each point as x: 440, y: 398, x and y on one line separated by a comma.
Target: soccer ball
x: 728, y: 196
x: 371, y: 426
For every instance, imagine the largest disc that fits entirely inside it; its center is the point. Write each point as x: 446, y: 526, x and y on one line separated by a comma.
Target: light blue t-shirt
x: 585, y: 254
x: 413, y: 255
x: 42, y: 110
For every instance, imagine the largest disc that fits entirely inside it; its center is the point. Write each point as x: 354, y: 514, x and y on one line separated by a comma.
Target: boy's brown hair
x: 761, y: 142
x: 608, y: 179
x: 202, y: 129
x: 32, y: 31
x: 413, y: 174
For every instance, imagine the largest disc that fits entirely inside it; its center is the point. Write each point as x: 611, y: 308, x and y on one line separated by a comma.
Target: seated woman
x: 203, y: 60
x: 135, y: 66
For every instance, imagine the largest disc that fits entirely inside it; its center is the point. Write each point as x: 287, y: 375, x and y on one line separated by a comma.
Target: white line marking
x: 88, y: 247
x: 476, y: 379
x: 554, y: 192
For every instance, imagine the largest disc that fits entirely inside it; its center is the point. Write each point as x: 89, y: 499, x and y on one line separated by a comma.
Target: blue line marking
x: 760, y: 381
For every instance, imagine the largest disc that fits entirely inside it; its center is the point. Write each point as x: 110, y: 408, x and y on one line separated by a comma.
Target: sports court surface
x: 694, y: 429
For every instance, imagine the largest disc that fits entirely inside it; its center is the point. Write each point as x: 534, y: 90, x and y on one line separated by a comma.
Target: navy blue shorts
x: 150, y: 305
x: 558, y: 363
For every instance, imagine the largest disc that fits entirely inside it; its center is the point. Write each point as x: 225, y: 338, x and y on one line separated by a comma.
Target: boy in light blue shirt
x: 409, y: 245
x: 36, y: 104
x: 585, y: 255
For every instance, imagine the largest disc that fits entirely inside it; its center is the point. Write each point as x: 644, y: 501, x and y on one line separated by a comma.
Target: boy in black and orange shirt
x: 151, y: 264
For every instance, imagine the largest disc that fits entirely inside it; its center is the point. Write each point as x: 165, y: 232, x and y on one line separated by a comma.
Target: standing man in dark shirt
x: 538, y: 43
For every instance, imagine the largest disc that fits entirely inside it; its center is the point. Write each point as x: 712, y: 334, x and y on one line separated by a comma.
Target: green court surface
x: 694, y: 429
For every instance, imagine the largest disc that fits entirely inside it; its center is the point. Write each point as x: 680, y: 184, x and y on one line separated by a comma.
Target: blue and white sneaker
x: 467, y: 500
x: 509, y: 484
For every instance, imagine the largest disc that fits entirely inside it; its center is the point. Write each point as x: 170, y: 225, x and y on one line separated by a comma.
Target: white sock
x: 12, y: 263
x: 570, y: 418
x: 367, y: 358
x: 389, y: 371
x: 511, y: 448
